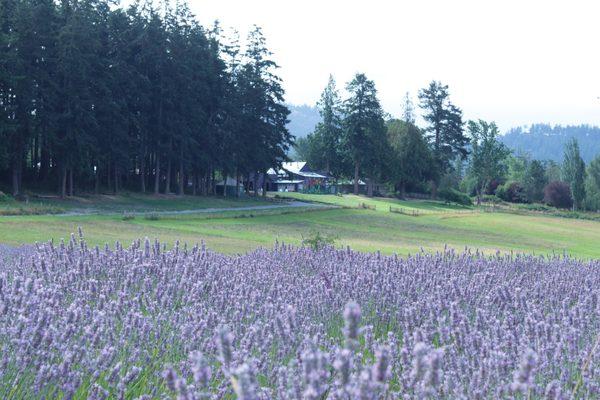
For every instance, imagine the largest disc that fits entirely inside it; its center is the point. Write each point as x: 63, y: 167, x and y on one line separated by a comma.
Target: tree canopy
x: 102, y: 97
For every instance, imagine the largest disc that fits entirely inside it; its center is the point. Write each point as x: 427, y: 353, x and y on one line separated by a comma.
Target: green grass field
x: 436, y: 225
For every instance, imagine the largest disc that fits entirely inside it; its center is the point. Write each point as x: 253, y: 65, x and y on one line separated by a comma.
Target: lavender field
x: 295, y: 323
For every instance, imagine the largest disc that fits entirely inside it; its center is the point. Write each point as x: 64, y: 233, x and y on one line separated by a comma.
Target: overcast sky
x: 514, y: 62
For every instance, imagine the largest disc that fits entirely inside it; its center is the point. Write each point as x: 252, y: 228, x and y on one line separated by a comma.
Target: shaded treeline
x: 95, y: 97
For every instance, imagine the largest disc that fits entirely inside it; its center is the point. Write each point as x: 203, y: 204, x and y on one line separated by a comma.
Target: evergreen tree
x: 364, y: 129
x: 328, y: 133
x: 574, y: 172
x: 410, y: 156
x: 445, y: 128
x: 535, y: 180
x: 408, y: 110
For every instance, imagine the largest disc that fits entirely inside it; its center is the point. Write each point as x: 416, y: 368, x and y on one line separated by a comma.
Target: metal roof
x: 296, y: 169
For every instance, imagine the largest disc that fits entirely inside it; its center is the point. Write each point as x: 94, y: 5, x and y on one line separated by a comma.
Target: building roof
x: 288, y: 181
x: 296, y: 168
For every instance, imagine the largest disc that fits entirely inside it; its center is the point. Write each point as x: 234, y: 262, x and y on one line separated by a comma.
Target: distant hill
x: 303, y: 119
x: 546, y: 142
x: 539, y: 141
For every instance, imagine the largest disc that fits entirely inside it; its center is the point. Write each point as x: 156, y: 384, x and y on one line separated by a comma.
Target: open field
x: 233, y: 231
x: 126, y: 202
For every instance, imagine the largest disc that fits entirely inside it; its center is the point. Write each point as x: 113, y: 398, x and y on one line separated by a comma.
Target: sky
x: 513, y: 62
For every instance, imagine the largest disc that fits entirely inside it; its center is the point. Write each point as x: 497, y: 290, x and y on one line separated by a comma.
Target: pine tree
x: 445, y: 130
x: 328, y: 133
x: 364, y: 128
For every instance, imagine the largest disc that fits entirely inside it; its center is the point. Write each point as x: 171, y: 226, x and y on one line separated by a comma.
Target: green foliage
x: 534, y: 181
x: 517, y: 167
x: 488, y: 155
x: 364, y: 129
x: 454, y: 196
x: 98, y: 96
x: 316, y: 240
x: 592, y: 185
x: 512, y: 192
x: 574, y: 172
x: 445, y: 129
x: 410, y: 159
x: 152, y: 216
x: 128, y: 216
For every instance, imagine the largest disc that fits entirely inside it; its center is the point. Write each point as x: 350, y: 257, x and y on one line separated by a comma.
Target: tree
x: 594, y: 171
x: 445, y: 128
x: 558, y: 194
x: 534, y: 181
x: 410, y: 157
x: 408, y: 110
x: 364, y: 128
x: 327, y: 137
x: 574, y: 172
x: 488, y: 155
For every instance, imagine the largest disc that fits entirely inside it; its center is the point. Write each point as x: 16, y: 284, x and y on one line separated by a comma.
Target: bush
x: 454, y: 196
x: 512, y: 192
x: 317, y: 241
x: 152, y: 217
x: 491, y: 199
x: 558, y: 194
x: 128, y: 216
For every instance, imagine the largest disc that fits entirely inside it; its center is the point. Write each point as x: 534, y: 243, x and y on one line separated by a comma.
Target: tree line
x: 96, y: 97
x: 357, y: 140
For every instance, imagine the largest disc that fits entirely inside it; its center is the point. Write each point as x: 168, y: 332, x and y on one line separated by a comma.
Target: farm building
x: 295, y: 177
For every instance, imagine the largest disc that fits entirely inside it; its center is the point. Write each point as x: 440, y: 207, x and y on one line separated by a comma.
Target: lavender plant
x: 145, y: 322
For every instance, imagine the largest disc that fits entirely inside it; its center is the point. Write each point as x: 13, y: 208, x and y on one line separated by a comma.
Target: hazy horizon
x: 512, y: 62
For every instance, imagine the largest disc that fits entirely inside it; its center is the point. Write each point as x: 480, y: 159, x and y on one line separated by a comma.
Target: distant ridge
x: 546, y: 142
x: 303, y: 119
x: 539, y: 141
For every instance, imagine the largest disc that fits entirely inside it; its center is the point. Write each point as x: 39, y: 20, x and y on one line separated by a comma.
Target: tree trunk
x: 237, y: 184
x: 356, y: 168
x: 116, y: 179
x: 168, y: 182
x: 213, y: 188
x: 44, y: 162
x: 63, y: 182
x: 264, y: 185
x: 402, y: 190
x: 108, y: 176
x: 194, y: 183
x: 181, y: 174
x: 71, y: 183
x: 143, y: 172
x: 370, y: 188
x: 97, y: 180
x: 434, y: 188
x: 16, y: 189
x: 157, y: 175
x: 255, y: 184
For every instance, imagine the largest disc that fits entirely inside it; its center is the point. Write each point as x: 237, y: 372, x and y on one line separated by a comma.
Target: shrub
x: 152, y: 217
x: 128, y: 216
x: 490, y: 198
x: 454, y: 196
x: 512, y: 192
x: 558, y: 194
x: 317, y: 241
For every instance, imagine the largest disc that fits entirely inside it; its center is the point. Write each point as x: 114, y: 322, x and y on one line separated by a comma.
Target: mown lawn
x: 362, y: 229
x: 125, y: 202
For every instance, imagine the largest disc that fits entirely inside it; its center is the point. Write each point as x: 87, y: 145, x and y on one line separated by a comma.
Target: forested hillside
x: 546, y: 142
